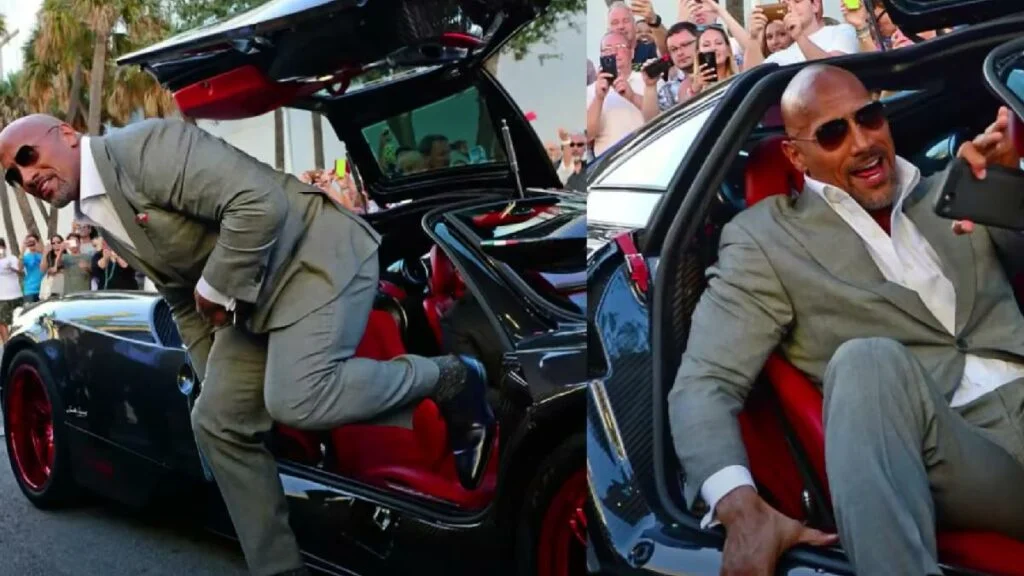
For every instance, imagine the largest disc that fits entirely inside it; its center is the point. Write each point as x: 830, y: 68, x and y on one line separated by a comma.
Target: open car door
x: 286, y: 50
x: 914, y: 16
x: 391, y: 75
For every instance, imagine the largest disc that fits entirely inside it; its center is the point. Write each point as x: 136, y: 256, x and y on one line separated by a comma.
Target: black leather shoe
x: 295, y: 572
x: 471, y: 425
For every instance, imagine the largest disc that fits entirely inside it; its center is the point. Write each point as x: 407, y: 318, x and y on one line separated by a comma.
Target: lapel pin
x: 142, y: 219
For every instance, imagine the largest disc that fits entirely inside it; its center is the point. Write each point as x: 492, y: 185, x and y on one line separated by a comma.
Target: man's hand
x: 793, y: 24
x: 622, y: 86
x: 993, y: 147
x: 648, y: 81
x: 756, y: 534
x: 213, y: 313
x: 604, y: 82
x: 758, y: 22
x: 643, y: 9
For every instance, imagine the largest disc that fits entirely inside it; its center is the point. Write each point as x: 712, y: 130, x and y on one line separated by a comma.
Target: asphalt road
x: 101, y: 539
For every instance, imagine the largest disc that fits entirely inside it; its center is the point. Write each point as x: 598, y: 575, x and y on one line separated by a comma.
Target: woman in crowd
x: 111, y: 272
x: 712, y: 39
x: 775, y: 38
x: 52, y: 265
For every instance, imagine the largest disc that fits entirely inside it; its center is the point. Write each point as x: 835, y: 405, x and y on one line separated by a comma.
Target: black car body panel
x: 638, y: 521
x: 915, y: 16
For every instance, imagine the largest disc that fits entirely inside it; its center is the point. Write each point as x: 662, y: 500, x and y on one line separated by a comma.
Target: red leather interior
x: 416, y: 460
x: 500, y: 218
x: 771, y: 462
x: 445, y: 288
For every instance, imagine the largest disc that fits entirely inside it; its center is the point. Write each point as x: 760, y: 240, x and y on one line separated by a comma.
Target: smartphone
x: 997, y: 201
x: 708, y: 59
x: 852, y: 4
x: 340, y: 167
x: 659, y: 68
x: 774, y: 11
x: 609, y: 66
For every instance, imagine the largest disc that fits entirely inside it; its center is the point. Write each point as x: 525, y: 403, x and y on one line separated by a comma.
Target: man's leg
x: 230, y: 421
x: 900, y: 461
x: 315, y: 383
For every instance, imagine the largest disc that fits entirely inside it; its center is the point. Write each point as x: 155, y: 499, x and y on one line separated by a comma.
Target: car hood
x: 913, y: 16
x: 360, y: 62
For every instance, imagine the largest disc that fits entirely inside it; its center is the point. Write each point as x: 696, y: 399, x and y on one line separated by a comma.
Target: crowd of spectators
x: 647, y: 66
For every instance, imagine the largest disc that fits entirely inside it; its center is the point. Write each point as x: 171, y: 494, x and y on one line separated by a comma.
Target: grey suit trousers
x: 901, y: 461
x: 303, y: 376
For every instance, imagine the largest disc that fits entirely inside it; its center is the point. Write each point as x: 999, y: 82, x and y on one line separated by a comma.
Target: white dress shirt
x: 96, y: 209
x: 906, y: 258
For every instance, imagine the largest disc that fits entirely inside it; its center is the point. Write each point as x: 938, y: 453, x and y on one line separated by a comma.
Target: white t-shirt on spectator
x: 619, y: 116
x: 840, y: 38
x: 10, y: 286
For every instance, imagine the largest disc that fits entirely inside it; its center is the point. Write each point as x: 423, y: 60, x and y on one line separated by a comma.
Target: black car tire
x: 59, y: 489
x: 562, y: 466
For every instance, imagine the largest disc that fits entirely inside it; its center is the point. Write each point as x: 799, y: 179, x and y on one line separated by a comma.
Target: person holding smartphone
x: 614, y: 101
x: 660, y: 94
x: 714, y: 61
x: 812, y: 39
x: 29, y: 265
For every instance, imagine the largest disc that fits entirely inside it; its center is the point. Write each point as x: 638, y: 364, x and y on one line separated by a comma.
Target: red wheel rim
x: 563, y: 533
x: 30, y: 427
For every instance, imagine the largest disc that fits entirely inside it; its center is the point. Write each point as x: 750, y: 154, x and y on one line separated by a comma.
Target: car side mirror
x: 1004, y: 73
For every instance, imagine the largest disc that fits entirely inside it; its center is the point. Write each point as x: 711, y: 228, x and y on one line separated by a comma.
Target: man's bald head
x: 807, y: 93
x: 41, y: 154
x: 838, y: 135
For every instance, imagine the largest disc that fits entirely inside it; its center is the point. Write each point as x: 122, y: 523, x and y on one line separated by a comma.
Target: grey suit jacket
x: 793, y: 276
x: 195, y: 206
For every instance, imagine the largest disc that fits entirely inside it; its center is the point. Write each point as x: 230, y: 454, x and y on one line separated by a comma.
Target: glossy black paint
x: 636, y: 523
x: 128, y: 411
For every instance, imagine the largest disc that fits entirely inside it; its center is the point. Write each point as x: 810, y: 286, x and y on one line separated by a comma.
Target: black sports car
x: 656, y: 206
x: 485, y: 258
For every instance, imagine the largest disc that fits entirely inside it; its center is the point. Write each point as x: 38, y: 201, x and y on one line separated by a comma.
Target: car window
x: 654, y: 165
x: 449, y: 133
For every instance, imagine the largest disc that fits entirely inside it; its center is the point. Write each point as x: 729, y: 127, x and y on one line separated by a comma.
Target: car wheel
x: 35, y: 433
x: 552, y: 535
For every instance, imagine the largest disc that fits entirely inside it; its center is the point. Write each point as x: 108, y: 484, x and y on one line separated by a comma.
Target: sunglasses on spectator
x: 833, y: 133
x: 703, y: 27
x: 26, y: 157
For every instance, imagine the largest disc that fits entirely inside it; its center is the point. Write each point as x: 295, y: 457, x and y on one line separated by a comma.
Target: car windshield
x: 541, y: 244
x: 452, y: 132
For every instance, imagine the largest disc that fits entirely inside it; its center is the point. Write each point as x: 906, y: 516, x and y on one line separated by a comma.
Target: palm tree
x: 12, y: 106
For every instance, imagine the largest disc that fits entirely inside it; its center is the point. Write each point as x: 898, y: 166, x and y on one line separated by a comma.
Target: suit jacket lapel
x: 113, y: 180
x: 956, y: 253
x: 838, y: 249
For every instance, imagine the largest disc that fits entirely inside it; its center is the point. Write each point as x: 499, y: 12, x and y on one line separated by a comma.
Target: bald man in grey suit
x: 913, y: 333
x: 270, y: 281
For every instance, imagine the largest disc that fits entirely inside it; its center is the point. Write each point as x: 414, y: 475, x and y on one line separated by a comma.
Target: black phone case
x: 997, y: 201
x: 609, y: 65
x: 709, y: 61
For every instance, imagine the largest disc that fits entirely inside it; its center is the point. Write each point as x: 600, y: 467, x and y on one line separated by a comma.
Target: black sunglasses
x: 833, y: 133
x: 25, y: 157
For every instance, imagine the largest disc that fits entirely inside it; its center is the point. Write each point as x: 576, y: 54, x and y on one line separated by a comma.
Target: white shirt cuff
x: 720, y: 484
x: 211, y: 294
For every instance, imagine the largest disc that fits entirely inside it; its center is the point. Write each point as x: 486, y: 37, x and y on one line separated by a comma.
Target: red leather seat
x: 770, y: 173
x: 445, y: 288
x: 414, y: 460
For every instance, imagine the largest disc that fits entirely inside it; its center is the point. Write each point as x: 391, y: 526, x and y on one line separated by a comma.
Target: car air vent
x: 164, y: 327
